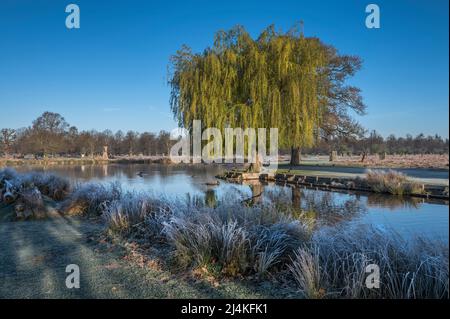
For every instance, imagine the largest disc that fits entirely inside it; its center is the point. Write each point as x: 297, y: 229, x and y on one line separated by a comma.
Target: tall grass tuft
x: 334, y: 265
x: 392, y: 182
x: 307, y: 272
x: 234, y: 240
x: 209, y: 243
x: 91, y: 198
x: 51, y: 185
x: 30, y: 204
x: 128, y: 211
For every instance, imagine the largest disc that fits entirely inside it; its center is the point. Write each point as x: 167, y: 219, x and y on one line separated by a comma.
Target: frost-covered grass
x: 334, y: 265
x: 28, y: 195
x: 50, y: 185
x: 234, y: 240
x: 91, y: 198
x: 270, y: 239
x: 228, y: 239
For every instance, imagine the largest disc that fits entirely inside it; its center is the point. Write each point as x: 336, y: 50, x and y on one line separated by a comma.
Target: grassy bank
x: 8, y: 162
x: 377, y: 181
x: 429, y: 161
x: 48, y: 162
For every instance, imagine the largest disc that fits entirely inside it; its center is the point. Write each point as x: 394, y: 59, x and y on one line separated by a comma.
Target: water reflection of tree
x: 315, y: 207
x: 393, y: 202
x: 257, y: 191
x: 105, y: 170
x: 210, y: 198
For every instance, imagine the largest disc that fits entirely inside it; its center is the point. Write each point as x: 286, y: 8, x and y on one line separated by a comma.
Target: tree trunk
x: 363, y: 156
x: 333, y: 156
x: 295, y: 155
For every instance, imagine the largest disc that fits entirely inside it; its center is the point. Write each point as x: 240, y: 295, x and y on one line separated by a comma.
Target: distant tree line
x: 374, y: 143
x: 50, y: 134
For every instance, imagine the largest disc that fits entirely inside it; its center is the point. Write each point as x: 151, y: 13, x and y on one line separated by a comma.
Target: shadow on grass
x: 35, y: 255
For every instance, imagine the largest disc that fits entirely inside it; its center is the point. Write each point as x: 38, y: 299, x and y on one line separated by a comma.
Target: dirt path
x: 34, y: 256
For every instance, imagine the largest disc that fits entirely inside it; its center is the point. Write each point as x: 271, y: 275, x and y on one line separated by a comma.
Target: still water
x: 409, y: 217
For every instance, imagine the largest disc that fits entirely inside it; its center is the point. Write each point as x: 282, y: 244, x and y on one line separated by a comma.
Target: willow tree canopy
x: 281, y: 80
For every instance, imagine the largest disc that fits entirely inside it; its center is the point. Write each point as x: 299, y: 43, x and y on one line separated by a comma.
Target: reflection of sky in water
x: 406, y: 217
x: 429, y: 219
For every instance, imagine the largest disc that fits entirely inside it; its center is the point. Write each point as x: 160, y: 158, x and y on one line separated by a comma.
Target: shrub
x: 8, y: 174
x: 53, y: 186
x: 236, y: 240
x: 129, y: 210
x: 9, y: 179
x: 91, y: 198
x: 30, y: 204
x: 203, y: 240
x: 50, y: 185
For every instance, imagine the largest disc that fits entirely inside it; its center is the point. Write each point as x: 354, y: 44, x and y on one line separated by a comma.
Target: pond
x: 407, y: 216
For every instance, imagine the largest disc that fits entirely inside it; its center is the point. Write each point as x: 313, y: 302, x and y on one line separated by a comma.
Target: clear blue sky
x: 111, y: 73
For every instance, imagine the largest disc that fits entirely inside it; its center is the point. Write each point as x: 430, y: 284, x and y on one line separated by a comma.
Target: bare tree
x: 7, y: 139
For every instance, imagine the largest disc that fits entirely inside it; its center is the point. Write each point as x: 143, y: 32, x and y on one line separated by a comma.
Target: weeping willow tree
x: 281, y: 80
